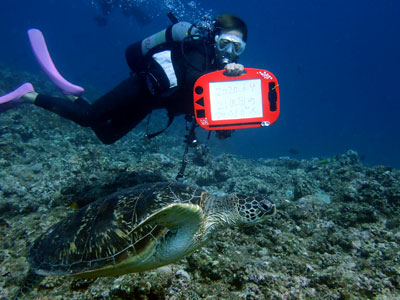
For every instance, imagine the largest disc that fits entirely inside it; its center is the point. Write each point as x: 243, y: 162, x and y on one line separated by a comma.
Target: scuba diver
x: 165, y: 67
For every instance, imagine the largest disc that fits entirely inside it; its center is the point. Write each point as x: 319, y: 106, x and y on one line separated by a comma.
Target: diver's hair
x: 230, y: 22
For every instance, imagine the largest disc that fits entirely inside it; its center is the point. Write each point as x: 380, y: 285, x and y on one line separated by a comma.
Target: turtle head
x: 253, y: 209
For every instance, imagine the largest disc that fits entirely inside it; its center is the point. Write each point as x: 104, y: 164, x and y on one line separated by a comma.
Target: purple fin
x: 15, y: 95
x: 42, y: 54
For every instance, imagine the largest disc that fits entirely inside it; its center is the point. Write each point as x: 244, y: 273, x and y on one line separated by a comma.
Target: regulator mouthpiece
x: 225, y: 61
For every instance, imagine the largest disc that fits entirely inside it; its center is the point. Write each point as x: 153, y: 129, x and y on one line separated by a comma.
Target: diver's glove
x: 234, y: 69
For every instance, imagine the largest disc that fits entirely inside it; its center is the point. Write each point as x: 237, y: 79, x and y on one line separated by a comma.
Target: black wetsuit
x: 114, y: 114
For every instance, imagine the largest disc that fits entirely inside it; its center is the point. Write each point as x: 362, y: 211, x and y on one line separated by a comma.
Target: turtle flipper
x: 184, y: 221
x: 172, y: 233
x: 177, y: 215
x: 30, y: 281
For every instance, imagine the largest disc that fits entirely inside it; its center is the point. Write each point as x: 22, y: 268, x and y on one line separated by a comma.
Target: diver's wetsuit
x: 114, y: 114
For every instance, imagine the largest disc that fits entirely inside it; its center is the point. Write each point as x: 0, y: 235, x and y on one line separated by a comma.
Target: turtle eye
x: 266, y: 206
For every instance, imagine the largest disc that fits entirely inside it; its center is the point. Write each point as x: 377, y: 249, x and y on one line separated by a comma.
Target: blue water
x: 337, y: 63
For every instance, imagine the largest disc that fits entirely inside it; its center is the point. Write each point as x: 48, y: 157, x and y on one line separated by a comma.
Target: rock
x: 183, y: 274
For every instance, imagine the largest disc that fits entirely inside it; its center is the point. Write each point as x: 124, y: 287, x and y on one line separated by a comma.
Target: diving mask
x: 230, y: 43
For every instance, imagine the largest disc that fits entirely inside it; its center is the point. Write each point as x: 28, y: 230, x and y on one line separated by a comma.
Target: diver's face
x: 229, y: 45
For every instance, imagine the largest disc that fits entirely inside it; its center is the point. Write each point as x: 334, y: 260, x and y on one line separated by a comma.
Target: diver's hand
x: 234, y: 69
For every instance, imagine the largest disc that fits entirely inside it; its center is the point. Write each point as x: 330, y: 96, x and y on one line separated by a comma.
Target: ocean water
x: 337, y: 64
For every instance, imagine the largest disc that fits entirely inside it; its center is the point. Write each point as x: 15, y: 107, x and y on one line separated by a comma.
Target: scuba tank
x: 152, y: 57
x: 177, y: 32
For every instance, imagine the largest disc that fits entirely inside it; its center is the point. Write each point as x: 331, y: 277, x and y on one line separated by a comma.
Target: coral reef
x: 336, y: 234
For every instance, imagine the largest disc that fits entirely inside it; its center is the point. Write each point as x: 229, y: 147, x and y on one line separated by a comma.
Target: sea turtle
x: 140, y: 228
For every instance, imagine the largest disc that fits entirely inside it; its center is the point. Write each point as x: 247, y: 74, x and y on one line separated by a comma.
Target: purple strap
x: 42, y: 54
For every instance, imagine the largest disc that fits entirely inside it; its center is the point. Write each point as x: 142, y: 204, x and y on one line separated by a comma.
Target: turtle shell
x: 122, y: 228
